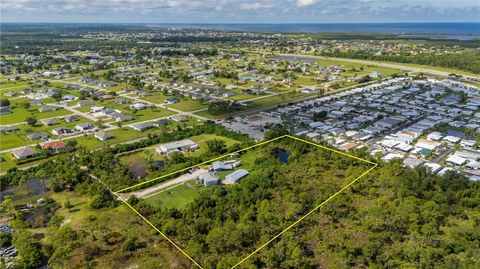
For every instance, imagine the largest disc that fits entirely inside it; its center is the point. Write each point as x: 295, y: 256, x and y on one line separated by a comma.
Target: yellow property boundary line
x: 226, y: 155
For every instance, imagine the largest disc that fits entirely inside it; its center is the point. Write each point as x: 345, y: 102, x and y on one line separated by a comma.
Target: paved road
x: 442, y: 155
x: 149, y: 192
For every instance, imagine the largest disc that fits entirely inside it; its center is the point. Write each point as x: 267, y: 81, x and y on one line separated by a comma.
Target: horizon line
x: 246, y: 23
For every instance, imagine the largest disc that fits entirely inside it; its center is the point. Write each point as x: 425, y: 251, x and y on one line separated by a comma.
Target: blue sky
x: 239, y: 11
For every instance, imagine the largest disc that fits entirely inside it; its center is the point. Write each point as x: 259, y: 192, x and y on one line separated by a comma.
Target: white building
x: 182, y: 145
x: 235, y: 176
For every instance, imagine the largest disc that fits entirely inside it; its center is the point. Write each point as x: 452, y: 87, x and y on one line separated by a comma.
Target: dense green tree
x: 28, y: 249
x: 216, y: 146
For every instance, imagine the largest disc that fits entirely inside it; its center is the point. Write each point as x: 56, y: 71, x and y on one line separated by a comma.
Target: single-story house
x: 102, y: 135
x: 391, y: 156
x: 412, y: 163
x: 49, y: 122
x: 23, y: 153
x: 221, y: 166
x: 123, y: 101
x: 161, y: 122
x: 171, y: 101
x: 46, y: 109
x: 95, y: 109
x: 182, y: 145
x: 433, y: 167
x: 474, y: 165
x: 138, y: 106
x: 435, y: 136
x: 452, y: 139
x: 208, y: 179
x: 54, y: 145
x: 235, y: 176
x: 61, y: 130
x: 178, y: 118
x: 39, y: 135
x: 119, y: 117
x: 70, y: 118
x: 142, y: 126
x: 9, y: 129
x: 84, y: 126
x: 5, y: 110
x: 456, y: 160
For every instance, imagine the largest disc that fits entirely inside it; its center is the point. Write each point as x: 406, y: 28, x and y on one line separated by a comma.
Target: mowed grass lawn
x: 156, y: 98
x: 188, y: 105
x: 201, y: 140
x: 19, y: 113
x: 176, y: 197
x: 149, y: 113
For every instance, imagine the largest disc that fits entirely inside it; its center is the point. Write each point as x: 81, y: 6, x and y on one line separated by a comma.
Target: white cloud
x: 303, y: 3
x: 235, y: 10
x: 254, y: 6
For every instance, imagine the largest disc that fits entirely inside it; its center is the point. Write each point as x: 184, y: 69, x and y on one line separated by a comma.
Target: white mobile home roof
x: 434, y: 167
x: 235, y: 176
x: 177, y: 144
x: 456, y: 160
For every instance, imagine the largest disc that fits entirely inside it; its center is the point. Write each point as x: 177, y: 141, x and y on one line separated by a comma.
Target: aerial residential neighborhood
x: 239, y: 134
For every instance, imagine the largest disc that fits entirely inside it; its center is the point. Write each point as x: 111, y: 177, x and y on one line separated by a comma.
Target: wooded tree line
x: 468, y: 61
x: 395, y: 217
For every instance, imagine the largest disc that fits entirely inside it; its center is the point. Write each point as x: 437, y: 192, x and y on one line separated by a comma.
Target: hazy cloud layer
x: 238, y: 10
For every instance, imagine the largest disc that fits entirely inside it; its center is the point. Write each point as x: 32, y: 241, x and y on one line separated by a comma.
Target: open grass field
x: 157, y: 98
x: 148, y: 114
x: 6, y: 84
x: 188, y: 105
x: 20, y: 113
x: 264, y: 101
x: 201, y: 140
x: 176, y: 197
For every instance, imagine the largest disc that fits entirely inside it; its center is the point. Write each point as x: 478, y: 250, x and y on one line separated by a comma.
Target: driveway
x: 149, y: 192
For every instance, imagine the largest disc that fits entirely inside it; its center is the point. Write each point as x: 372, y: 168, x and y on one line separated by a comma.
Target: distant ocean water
x: 450, y: 29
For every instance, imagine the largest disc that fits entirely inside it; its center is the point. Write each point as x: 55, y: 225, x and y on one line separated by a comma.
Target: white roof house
x: 138, y: 106
x: 221, y: 166
x: 475, y: 165
x: 391, y: 156
x: 97, y: 108
x: 467, y: 143
x: 235, y: 176
x: 426, y: 144
x: 456, y: 160
x: 182, y: 145
x: 208, y: 179
x: 412, y: 163
x: 433, y: 167
x: 404, y: 147
x: 452, y: 139
x: 445, y: 169
x: 435, y: 136
x: 389, y: 143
